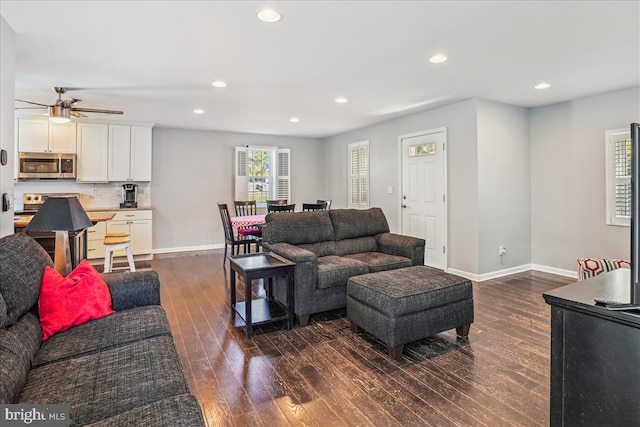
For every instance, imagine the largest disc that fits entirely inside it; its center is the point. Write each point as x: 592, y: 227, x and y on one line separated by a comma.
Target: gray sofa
x: 328, y: 247
x: 120, y: 370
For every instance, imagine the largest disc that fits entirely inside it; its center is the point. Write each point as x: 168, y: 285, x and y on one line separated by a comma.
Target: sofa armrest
x: 406, y: 246
x: 293, y: 252
x: 133, y: 289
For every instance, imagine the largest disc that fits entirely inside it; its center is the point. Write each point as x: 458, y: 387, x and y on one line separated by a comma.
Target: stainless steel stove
x: 33, y: 201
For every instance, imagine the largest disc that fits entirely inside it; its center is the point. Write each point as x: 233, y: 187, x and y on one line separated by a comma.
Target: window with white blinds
x: 358, y: 175
x: 262, y: 173
x: 618, y: 182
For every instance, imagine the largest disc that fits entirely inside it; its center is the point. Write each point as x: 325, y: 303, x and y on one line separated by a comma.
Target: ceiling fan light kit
x: 59, y: 114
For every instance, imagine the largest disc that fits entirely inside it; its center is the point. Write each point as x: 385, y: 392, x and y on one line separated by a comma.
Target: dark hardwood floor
x: 325, y: 375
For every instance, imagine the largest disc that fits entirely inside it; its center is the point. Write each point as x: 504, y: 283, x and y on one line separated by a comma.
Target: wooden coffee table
x: 261, y: 310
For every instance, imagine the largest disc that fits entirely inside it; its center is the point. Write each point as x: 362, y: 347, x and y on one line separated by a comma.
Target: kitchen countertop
x: 117, y: 208
x: 23, y: 221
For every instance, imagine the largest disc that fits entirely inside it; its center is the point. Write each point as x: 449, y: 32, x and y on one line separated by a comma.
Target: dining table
x: 247, y: 220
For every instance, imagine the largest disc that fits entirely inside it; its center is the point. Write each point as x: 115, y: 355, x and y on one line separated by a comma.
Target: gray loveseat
x: 120, y: 370
x: 328, y: 247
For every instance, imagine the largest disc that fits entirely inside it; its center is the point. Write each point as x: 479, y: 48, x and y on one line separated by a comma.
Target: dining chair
x: 245, y: 208
x: 233, y: 240
x: 314, y: 207
x: 328, y: 203
x: 281, y: 208
x: 277, y: 202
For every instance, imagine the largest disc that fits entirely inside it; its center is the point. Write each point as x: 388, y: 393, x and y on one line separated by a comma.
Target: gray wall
x: 193, y: 171
x: 7, y: 114
x: 568, y: 178
x: 460, y: 122
x: 504, y: 187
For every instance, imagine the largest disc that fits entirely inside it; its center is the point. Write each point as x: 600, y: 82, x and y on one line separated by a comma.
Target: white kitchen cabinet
x: 93, y: 150
x: 62, y: 137
x: 129, y: 153
x: 138, y: 223
x: 33, y: 136
x: 42, y: 136
x: 95, y: 240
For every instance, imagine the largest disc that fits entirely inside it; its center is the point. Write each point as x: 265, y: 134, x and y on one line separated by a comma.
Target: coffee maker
x: 129, y: 196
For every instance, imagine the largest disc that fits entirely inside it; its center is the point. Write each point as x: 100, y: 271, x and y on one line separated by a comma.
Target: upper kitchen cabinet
x: 129, y: 153
x: 42, y: 136
x: 93, y: 152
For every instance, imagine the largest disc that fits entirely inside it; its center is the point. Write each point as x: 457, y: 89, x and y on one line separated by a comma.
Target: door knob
x: 404, y: 206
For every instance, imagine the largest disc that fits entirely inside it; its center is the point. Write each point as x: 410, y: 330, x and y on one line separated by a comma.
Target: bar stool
x: 114, y: 242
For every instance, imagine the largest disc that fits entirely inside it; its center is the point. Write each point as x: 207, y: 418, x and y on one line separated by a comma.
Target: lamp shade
x: 60, y: 214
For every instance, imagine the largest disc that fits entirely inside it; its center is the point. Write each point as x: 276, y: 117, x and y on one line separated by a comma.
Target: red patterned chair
x: 589, y: 267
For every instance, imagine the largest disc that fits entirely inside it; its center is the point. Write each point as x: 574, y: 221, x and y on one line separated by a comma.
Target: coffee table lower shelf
x: 262, y: 311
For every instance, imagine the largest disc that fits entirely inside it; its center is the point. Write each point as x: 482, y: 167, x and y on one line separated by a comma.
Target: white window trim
x: 611, y: 136
x: 359, y: 176
x: 281, y: 172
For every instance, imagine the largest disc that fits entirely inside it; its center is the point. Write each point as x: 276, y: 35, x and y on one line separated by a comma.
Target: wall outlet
x: 502, y: 250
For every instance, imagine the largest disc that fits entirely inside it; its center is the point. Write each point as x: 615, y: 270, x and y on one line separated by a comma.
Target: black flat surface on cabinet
x: 595, y: 354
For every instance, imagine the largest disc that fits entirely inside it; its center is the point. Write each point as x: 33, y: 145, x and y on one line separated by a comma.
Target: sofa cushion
x: 18, y: 344
x: 104, y: 384
x: 350, y: 223
x: 175, y: 411
x: 3, y: 312
x: 335, y: 271
x: 357, y: 245
x: 23, y: 261
x: 321, y: 248
x: 70, y: 301
x: 377, y: 261
x: 298, y: 228
x: 115, y: 330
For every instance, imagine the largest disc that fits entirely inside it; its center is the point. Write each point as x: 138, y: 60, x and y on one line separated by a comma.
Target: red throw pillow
x: 70, y: 301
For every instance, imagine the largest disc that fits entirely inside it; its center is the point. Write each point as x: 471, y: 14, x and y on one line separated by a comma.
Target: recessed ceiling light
x: 341, y: 100
x: 219, y: 83
x: 294, y: 120
x: 437, y: 59
x: 198, y: 111
x: 269, y: 15
x: 542, y: 85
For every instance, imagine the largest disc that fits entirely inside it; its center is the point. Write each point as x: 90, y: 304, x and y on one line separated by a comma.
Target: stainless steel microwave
x: 46, y: 165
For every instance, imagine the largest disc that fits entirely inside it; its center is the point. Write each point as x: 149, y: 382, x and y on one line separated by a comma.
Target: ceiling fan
x: 61, y: 111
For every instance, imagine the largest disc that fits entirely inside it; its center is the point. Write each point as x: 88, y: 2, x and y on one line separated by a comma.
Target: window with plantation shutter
x: 618, y: 179
x: 358, y: 185
x: 262, y: 173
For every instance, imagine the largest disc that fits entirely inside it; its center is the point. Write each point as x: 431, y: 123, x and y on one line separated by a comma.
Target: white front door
x: 424, y: 211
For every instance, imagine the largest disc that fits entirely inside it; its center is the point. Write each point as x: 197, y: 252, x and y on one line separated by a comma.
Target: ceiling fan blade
x: 69, y: 102
x: 34, y: 103
x: 94, y: 110
x: 31, y: 108
x: 76, y: 114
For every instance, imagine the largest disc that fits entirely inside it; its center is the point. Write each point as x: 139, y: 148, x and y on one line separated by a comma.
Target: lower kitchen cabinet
x: 138, y: 223
x: 95, y: 240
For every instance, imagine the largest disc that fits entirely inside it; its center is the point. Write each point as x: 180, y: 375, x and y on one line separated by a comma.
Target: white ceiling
x: 156, y: 60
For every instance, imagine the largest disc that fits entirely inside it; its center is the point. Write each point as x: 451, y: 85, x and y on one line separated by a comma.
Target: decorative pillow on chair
x: 70, y: 301
x: 589, y: 267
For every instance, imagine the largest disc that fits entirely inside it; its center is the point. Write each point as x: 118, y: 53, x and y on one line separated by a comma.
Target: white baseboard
x: 553, y: 270
x: 188, y: 249
x: 513, y: 270
x: 490, y: 275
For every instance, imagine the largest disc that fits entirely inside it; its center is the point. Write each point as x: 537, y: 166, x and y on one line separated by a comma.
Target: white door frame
x: 446, y: 194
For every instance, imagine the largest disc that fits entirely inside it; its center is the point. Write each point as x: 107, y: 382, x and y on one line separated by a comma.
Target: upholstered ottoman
x: 408, y: 304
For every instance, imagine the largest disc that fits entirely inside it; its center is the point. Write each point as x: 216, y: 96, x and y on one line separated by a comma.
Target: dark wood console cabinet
x: 595, y: 354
